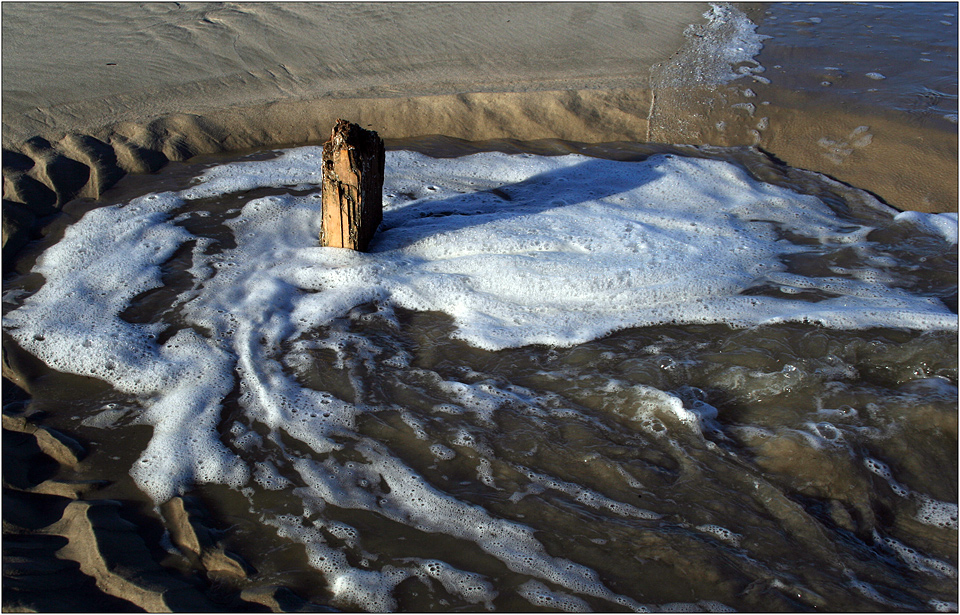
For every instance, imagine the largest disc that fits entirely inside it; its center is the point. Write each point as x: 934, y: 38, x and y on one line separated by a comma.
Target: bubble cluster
x: 712, y: 606
x: 722, y: 533
x: 267, y: 476
x: 587, y: 497
x: 941, y: 606
x: 472, y: 587
x: 916, y: 560
x: 937, y: 513
x: 538, y: 595
x: 878, y: 467
x: 944, y: 224
x: 442, y: 452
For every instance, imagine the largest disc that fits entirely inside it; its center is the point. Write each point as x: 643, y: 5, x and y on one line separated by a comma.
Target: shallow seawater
x: 900, y: 56
x: 555, y: 382
x: 863, y: 92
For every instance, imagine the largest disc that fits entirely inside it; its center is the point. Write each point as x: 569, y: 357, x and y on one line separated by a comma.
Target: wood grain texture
x: 352, y: 191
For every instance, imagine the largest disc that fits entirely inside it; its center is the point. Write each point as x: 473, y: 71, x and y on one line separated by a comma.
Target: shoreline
x: 62, y: 156
x: 110, y: 119
x: 168, y: 82
x: 99, y: 522
x: 41, y: 177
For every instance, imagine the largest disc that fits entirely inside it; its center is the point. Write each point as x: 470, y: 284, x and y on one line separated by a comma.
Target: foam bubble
x: 442, y: 452
x: 472, y: 587
x: 586, y: 496
x: 944, y: 224
x: 650, y: 406
x: 826, y: 431
x: 871, y: 592
x: 916, y: 560
x: 883, y: 470
x: 941, y: 606
x: 267, y: 476
x: 679, y: 607
x: 538, y: 595
x: 712, y: 606
x: 721, y: 532
x: 937, y: 513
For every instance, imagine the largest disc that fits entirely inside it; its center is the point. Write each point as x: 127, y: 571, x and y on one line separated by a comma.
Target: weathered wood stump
x: 352, y: 191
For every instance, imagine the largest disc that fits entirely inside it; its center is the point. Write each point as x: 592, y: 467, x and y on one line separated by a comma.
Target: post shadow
x: 565, y: 187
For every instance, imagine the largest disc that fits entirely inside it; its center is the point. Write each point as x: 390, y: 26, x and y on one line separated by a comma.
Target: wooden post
x: 352, y: 191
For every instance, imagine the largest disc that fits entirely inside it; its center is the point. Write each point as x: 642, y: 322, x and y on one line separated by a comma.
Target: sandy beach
x: 142, y: 64
x: 99, y: 93
x: 169, y: 81
x: 94, y: 91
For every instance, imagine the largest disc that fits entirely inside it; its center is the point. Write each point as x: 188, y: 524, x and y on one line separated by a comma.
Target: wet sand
x: 92, y: 92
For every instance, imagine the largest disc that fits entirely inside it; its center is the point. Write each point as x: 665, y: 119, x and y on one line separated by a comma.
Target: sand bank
x: 142, y: 63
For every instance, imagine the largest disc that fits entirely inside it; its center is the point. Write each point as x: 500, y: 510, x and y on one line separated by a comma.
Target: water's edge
x: 218, y: 579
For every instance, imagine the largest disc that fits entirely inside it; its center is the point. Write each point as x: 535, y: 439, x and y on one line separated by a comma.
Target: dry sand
x: 84, y: 67
x: 94, y: 91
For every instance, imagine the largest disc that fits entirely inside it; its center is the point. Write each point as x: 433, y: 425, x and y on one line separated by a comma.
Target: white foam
x: 268, y: 477
x: 722, y: 533
x: 518, y: 250
x: 883, y: 470
x: 915, y: 560
x: 472, y: 587
x: 871, y: 592
x: 409, y: 499
x: 929, y: 510
x: 944, y: 224
x: 726, y: 45
x: 587, y: 497
x: 712, y: 606
x: 941, y: 606
x: 648, y: 406
x: 588, y: 260
x: 937, y: 513
x: 72, y: 321
x: 538, y: 595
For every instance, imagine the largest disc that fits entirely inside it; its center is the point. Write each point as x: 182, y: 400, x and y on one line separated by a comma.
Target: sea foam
x: 516, y: 249
x: 524, y: 250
